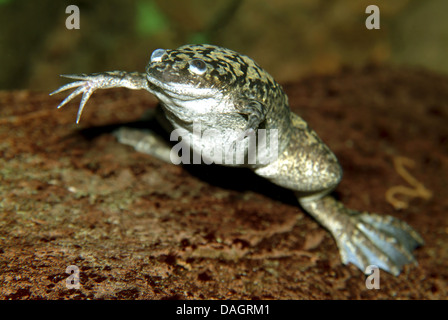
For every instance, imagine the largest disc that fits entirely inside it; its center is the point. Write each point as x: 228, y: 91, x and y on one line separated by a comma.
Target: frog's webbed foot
x: 366, y: 239
x: 88, y: 83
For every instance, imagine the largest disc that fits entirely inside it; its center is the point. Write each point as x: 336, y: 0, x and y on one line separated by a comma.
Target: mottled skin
x: 229, y: 92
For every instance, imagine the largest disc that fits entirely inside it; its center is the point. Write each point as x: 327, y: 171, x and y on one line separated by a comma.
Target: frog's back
x: 243, y: 78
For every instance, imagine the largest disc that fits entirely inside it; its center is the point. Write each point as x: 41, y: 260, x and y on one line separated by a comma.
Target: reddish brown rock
x: 138, y: 228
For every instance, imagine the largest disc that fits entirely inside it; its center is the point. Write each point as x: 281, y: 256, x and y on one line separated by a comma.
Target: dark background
x: 289, y: 38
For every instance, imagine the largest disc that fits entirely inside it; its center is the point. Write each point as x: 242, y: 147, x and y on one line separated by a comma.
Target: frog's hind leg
x: 149, y: 141
x: 363, y: 238
x: 145, y: 141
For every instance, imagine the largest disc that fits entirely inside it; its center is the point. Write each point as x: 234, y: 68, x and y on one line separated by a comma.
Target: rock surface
x: 138, y: 228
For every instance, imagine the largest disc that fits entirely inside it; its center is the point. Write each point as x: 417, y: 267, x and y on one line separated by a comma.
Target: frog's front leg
x: 363, y: 238
x: 88, y: 83
x: 255, y: 112
x: 146, y: 141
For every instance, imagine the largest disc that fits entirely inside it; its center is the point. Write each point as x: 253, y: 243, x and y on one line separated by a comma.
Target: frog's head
x: 192, y: 70
x: 184, y: 73
x: 199, y: 73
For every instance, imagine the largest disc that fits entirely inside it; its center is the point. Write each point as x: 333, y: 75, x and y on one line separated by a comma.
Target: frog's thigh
x: 145, y: 141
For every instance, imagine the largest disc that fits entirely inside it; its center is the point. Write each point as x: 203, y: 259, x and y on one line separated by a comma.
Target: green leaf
x: 150, y: 19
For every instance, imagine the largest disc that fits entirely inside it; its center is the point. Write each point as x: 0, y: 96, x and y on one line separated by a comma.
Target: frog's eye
x: 157, y: 55
x: 197, y: 66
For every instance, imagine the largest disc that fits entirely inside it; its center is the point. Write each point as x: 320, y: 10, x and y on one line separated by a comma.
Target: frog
x: 229, y: 92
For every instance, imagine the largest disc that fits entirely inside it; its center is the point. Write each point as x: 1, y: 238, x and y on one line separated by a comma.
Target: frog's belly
x: 218, y: 140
